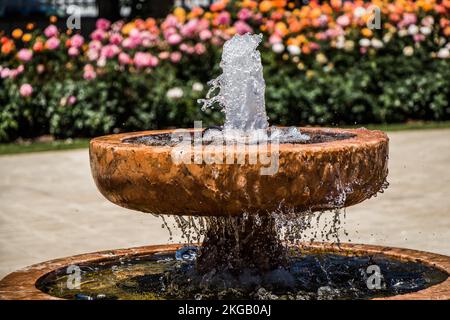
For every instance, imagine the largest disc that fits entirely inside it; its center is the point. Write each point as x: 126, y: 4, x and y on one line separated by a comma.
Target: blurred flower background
x: 324, y: 64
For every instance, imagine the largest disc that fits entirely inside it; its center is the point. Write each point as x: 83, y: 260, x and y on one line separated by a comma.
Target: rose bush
x: 323, y: 64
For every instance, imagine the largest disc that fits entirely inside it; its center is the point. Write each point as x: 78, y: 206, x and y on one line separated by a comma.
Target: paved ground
x: 49, y: 206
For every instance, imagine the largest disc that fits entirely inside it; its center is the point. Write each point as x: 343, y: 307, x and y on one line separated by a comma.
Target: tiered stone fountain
x: 315, y: 169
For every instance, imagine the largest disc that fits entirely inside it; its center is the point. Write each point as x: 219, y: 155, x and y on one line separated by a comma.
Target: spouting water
x: 240, y: 93
x: 241, y: 85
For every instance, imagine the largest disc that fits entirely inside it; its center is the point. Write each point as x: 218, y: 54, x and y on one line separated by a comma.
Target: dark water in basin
x: 310, y: 276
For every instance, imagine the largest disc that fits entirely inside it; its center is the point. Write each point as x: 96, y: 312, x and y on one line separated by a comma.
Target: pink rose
x: 130, y: 43
x: 323, y: 20
x: 242, y: 27
x: 40, y: 68
x: 223, y: 18
x: 216, y: 41
x: 408, y: 19
x: 275, y: 38
x: 205, y: 35
x: 175, y: 57
x: 109, y: 51
x: 184, y: 47
x: 164, y: 55
x: 189, y: 29
x: 92, y: 54
x: 95, y: 45
x: 51, y: 31
x: 89, y: 72
x: 199, y: 49
x: 73, y: 51
x: 418, y: 37
x: 77, y: 41
x: 5, y: 73
x: 26, y: 90
x: 314, y: 46
x: 170, y: 22
x: 25, y: 55
x: 202, y: 24
x: 144, y: 59
x: 115, y: 38
x: 174, y: 39
x: 102, y: 24
x: 244, y: 14
x: 52, y: 43
x: 168, y: 32
x: 98, y: 34
x: 124, y: 58
x: 71, y: 100
x: 343, y: 20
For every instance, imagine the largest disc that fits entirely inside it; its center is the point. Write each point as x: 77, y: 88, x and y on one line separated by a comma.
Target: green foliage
x: 347, y: 90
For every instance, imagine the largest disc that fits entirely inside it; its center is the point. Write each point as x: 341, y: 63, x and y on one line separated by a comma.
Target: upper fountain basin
x: 331, y: 173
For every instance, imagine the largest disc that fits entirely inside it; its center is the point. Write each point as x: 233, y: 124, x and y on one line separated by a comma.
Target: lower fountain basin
x: 38, y: 281
x: 337, y: 168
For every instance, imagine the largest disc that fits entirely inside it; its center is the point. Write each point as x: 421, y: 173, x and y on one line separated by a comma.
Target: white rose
x: 197, y: 86
x: 349, y: 45
x: 364, y: 42
x: 278, y: 47
x: 408, y: 51
x: 175, y: 93
x: 293, y: 50
x: 443, y: 53
x: 425, y: 30
x: 359, y: 12
x: 387, y: 37
x: 340, y: 43
x: 376, y: 43
x: 403, y: 32
x: 101, y: 62
x: 413, y: 29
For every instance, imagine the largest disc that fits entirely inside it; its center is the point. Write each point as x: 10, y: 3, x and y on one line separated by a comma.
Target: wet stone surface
x: 281, y: 135
x: 306, y: 276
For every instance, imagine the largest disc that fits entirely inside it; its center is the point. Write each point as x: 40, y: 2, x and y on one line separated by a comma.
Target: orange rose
x: 17, y: 33
x: 265, y: 6
x: 366, y: 32
x: 336, y: 3
x: 279, y: 3
x: 447, y: 31
x: 7, y: 47
x: 249, y: 4
x: 195, y: 12
x: 38, y: 46
x: 26, y: 37
x: 218, y: 6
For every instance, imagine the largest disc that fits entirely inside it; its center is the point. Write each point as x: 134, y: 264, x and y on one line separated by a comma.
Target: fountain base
x: 31, y: 282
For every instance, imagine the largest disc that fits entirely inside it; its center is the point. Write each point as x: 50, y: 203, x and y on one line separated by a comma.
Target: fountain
x: 243, y: 195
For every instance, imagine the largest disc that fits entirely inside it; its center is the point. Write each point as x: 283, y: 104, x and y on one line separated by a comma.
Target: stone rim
x: 144, y: 178
x: 21, y: 285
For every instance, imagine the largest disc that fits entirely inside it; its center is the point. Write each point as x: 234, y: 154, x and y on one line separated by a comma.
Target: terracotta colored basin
x: 21, y: 285
x: 313, y: 176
